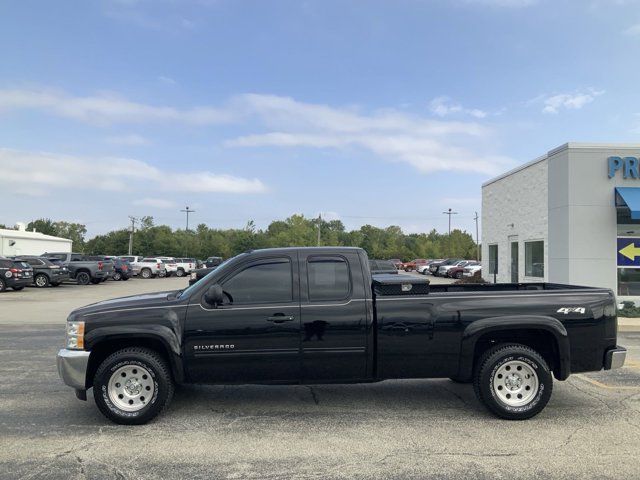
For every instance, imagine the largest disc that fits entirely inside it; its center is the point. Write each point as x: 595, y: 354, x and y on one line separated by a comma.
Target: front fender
x: 163, y: 334
x: 477, y: 329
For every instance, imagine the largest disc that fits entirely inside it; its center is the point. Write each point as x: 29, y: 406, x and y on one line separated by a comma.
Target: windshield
x: 187, y: 291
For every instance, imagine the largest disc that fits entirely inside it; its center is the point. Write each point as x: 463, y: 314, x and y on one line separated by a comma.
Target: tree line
x: 297, y: 230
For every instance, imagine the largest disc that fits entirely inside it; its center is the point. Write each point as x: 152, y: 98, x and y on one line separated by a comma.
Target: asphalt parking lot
x: 393, y: 429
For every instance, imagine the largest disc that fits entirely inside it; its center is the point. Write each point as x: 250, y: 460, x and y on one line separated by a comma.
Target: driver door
x: 254, y: 336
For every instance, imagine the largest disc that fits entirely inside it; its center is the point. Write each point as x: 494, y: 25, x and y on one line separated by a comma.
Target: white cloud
x: 107, y: 109
x: 154, y: 203
x: 443, y: 106
x: 166, y: 80
x: 427, y: 145
x: 130, y: 140
x: 569, y: 101
x: 49, y: 171
x: 633, y: 30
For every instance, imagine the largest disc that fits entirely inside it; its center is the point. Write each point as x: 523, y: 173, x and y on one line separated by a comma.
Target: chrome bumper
x: 615, y: 357
x: 72, y: 367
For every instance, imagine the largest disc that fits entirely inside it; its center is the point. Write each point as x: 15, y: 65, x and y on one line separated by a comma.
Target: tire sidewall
x: 101, y: 382
x: 46, y: 280
x: 83, y: 278
x: 487, y: 377
x: 145, y: 273
x: 3, y: 285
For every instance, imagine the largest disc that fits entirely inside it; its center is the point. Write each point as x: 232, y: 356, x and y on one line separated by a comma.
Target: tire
x: 96, y: 281
x: 3, y: 285
x: 180, y: 273
x: 513, y: 381
x: 117, y: 276
x: 83, y: 278
x: 146, y: 273
x: 17, y: 289
x: 148, y: 372
x: 41, y: 281
x: 459, y: 275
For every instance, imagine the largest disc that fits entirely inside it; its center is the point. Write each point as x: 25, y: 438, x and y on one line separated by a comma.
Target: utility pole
x: 131, y: 230
x: 188, y: 211
x: 319, y: 225
x: 449, y: 212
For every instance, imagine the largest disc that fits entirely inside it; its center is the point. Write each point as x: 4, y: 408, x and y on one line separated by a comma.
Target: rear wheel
x: 458, y: 275
x: 3, y: 285
x: 83, y: 278
x: 145, y: 273
x: 513, y: 381
x: 117, y: 276
x: 41, y: 280
x: 133, y: 386
x: 180, y: 273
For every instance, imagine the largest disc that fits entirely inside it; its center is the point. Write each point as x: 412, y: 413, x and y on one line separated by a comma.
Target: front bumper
x: 615, y: 357
x: 72, y: 367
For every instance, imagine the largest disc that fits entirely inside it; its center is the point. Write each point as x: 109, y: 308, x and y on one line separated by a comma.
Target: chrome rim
x: 41, y: 281
x: 131, y: 388
x: 515, y: 383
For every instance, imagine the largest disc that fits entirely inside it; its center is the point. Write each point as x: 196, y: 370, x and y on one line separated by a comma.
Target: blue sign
x: 628, y: 165
x: 629, y: 252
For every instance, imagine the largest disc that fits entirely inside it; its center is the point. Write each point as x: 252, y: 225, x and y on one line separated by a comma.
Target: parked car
x: 199, y: 273
x: 413, y: 264
x: 382, y: 267
x: 458, y: 271
x: 396, y: 263
x: 151, y: 267
x: 122, y: 269
x: 185, y: 266
x: 45, y: 272
x: 433, y: 268
x: 170, y: 265
x: 213, y: 262
x: 424, y: 269
x: 472, y: 270
x: 15, y: 274
x: 134, y: 261
x: 82, y: 270
x: 443, y: 270
x: 244, y: 324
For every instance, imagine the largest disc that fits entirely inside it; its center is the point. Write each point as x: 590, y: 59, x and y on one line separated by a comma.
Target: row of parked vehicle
x: 445, y: 267
x: 54, y: 268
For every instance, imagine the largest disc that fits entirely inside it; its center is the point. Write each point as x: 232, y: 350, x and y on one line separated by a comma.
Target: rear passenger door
x: 334, y: 317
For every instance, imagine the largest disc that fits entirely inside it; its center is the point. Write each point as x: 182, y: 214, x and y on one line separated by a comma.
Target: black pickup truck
x: 316, y: 315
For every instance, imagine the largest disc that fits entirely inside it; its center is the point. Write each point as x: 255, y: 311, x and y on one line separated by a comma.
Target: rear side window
x: 6, y: 264
x: 328, y: 278
x: 269, y: 281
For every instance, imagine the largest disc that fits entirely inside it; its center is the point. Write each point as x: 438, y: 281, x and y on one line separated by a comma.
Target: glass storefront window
x: 629, y: 281
x: 534, y: 259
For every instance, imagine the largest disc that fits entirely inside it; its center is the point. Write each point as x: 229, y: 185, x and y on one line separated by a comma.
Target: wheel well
x: 541, y: 341
x: 102, y: 350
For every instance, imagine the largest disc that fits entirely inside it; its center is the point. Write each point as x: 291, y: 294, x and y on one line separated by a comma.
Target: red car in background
x: 413, y: 264
x: 458, y: 272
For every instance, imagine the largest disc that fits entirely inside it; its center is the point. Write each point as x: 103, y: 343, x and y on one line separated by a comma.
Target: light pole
x: 133, y: 228
x: 449, y: 212
x: 188, y: 211
x: 477, y: 238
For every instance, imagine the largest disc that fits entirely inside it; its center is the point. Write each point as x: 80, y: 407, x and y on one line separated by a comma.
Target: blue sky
x: 380, y: 112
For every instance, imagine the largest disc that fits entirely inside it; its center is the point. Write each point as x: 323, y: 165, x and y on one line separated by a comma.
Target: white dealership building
x: 569, y: 216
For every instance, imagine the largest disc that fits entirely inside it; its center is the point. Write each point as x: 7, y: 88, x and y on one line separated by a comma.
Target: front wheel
x: 513, y: 381
x: 145, y: 273
x: 117, y: 276
x: 180, y: 273
x: 133, y: 386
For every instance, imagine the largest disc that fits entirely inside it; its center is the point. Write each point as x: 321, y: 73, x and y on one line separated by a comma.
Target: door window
x: 328, y: 278
x: 269, y: 281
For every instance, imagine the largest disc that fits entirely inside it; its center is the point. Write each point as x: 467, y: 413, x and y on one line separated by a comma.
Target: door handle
x: 280, y: 318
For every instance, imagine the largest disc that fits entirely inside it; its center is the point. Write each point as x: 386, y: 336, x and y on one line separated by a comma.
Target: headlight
x: 75, y: 335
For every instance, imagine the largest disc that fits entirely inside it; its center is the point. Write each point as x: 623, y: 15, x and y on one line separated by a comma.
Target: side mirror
x: 214, y: 295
